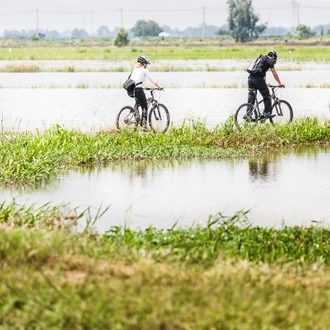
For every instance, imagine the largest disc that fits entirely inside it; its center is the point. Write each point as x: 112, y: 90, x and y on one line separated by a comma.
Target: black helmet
x: 143, y: 59
x: 273, y: 53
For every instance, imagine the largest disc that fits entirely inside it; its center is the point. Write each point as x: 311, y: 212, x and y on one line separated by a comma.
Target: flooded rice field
x: 226, y: 79
x: 291, y: 189
x: 94, y: 109
x: 160, y: 65
x: 91, y: 100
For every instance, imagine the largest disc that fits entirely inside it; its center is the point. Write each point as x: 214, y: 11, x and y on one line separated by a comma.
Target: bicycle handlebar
x: 152, y: 89
x: 275, y: 86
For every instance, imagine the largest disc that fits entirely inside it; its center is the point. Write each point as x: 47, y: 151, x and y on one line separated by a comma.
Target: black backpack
x: 129, y: 85
x: 256, y: 65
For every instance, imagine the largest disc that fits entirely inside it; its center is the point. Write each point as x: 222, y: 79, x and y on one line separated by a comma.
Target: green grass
x: 293, y: 53
x: 226, y: 275
x: 35, y: 157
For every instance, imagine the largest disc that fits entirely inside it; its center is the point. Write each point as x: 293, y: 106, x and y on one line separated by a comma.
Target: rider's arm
x: 276, y: 77
x: 158, y: 86
x: 152, y: 79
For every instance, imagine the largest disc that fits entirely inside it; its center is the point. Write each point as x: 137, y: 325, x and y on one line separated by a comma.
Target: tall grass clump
x: 48, y: 217
x: 222, y: 236
x: 229, y: 237
x: 28, y: 157
x: 21, y: 68
x: 305, y: 131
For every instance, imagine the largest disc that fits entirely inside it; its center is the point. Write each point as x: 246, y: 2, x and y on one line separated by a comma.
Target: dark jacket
x: 268, y: 64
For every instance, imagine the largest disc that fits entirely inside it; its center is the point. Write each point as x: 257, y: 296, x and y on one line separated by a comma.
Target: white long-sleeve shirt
x: 140, y: 74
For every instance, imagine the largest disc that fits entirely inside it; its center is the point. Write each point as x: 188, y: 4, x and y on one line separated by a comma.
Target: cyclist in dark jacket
x: 257, y: 81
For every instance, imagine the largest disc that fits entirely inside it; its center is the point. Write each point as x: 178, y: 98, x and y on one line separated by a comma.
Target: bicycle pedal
x: 267, y: 116
x: 248, y: 118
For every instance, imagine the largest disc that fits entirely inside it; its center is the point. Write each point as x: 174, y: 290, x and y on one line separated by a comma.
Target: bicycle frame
x: 158, y: 116
x: 151, y: 102
x: 249, y: 114
x: 275, y: 101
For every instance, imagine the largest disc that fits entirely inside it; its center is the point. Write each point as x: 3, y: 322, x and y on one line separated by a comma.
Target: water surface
x: 291, y: 189
x: 163, y: 65
x: 94, y: 109
x: 226, y: 79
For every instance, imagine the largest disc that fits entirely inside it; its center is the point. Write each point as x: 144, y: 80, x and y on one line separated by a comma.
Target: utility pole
x: 83, y: 20
x: 37, y: 32
x: 298, y: 16
x: 92, y: 34
x: 26, y: 25
x: 295, y: 13
x: 203, y: 22
x: 121, y: 17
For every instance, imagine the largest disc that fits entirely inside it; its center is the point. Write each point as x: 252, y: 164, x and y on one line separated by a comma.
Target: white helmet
x: 143, y: 59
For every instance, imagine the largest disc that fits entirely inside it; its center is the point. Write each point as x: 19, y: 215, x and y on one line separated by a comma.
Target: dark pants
x: 258, y: 83
x: 142, y: 100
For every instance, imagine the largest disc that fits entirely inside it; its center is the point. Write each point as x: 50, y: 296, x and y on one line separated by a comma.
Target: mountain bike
x: 249, y: 115
x: 158, y: 115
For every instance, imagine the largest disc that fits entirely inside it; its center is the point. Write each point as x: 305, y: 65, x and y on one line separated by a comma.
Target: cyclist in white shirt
x: 139, y: 74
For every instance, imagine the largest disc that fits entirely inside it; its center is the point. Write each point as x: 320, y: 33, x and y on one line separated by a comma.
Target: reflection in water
x: 259, y: 169
x: 264, y: 168
x: 292, y: 188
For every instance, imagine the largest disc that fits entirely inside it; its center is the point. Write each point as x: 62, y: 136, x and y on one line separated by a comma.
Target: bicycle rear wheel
x: 246, y: 116
x: 159, y: 118
x: 283, y: 112
x: 127, y: 118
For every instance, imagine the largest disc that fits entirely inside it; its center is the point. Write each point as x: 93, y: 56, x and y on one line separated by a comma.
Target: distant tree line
x: 242, y: 25
x: 210, y: 30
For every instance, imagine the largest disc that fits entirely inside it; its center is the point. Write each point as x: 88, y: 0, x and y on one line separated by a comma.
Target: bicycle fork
x: 277, y: 107
x: 156, y: 112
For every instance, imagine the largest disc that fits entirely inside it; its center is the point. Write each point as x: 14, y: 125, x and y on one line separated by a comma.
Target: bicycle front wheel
x: 283, y: 112
x: 246, y: 116
x: 159, y: 118
x: 127, y: 118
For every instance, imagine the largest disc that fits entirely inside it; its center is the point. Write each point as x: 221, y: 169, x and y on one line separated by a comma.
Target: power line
x: 206, y: 8
x: 116, y: 10
x: 206, y: 13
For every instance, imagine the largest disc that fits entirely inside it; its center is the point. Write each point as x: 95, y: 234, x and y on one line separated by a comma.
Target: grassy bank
x: 33, y: 158
x: 296, y: 53
x: 58, y: 274
x: 226, y: 275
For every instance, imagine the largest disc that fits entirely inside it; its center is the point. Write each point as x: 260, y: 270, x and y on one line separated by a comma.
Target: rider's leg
x: 252, y: 88
x: 264, y: 91
x: 267, y: 103
x: 141, y: 96
x: 259, y: 83
x: 252, y: 93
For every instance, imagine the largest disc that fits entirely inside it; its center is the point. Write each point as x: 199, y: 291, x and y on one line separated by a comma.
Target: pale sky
x: 64, y: 15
